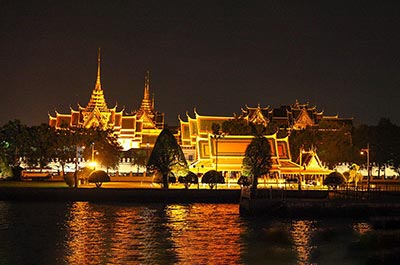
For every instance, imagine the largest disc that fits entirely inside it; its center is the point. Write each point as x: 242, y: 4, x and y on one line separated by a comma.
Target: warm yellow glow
x: 301, y: 233
x: 93, y: 164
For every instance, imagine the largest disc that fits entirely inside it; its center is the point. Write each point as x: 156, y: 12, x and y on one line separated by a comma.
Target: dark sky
x: 215, y: 56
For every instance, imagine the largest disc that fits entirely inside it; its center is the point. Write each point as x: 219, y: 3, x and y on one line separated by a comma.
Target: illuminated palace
x: 138, y: 129
x: 207, y: 151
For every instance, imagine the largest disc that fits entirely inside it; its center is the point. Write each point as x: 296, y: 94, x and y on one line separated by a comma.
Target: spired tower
x: 151, y: 119
x: 96, y: 113
x: 138, y: 129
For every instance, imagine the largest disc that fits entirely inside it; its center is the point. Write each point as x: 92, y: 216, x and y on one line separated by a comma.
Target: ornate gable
x: 256, y: 115
x: 303, y: 120
x: 96, y: 118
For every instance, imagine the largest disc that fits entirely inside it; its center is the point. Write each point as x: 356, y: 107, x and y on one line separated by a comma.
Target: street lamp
x: 77, y: 151
x: 216, y: 136
x: 198, y: 174
x: 147, y: 157
x: 366, y: 151
x: 93, y: 163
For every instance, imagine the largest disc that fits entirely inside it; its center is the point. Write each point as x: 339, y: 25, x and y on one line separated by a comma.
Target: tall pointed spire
x: 97, y: 100
x: 146, y: 111
x: 146, y: 94
x: 98, y: 83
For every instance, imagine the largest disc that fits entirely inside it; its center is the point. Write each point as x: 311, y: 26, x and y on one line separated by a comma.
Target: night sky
x: 215, y: 56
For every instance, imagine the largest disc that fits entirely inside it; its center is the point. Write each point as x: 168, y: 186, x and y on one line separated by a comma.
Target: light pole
x: 76, y: 167
x: 216, y: 136
x: 363, y: 151
x: 147, y: 158
x: 92, y: 162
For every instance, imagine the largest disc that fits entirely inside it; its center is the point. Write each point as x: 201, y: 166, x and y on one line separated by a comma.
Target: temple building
x: 138, y: 129
x: 293, y: 117
x: 206, y: 150
x: 313, y: 172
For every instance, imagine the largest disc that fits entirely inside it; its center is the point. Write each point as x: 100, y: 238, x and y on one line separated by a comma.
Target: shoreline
x: 131, y: 195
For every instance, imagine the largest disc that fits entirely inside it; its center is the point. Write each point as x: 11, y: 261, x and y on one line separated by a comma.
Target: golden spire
x: 146, y: 110
x: 97, y: 99
x: 146, y: 94
x: 98, y: 83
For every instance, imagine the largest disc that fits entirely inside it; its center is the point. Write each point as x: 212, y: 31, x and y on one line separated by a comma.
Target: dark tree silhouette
x: 167, y: 156
x: 257, y: 160
x: 13, y: 138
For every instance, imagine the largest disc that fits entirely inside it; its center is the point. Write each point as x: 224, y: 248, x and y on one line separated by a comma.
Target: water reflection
x: 90, y: 233
x: 172, y: 234
x: 205, y: 234
x: 301, y: 232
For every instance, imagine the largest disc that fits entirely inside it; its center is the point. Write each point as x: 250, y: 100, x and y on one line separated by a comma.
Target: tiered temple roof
x: 293, y: 117
x: 197, y: 133
x: 151, y: 119
x: 133, y: 130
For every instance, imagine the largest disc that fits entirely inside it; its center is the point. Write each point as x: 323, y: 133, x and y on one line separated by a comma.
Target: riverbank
x: 131, y: 195
x: 289, y: 204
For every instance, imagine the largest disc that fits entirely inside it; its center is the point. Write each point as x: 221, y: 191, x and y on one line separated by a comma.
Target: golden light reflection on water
x: 174, y: 234
x: 204, y: 234
x: 301, y: 232
x: 91, y: 233
x: 362, y: 227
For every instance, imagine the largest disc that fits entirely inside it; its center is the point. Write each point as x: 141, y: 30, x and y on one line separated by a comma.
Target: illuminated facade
x: 225, y: 153
x: 138, y: 129
x: 293, y: 117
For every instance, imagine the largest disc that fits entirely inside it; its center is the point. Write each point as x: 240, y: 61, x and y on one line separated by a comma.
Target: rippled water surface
x: 92, y: 233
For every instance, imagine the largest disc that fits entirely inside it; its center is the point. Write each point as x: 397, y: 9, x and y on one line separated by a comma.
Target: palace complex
x: 205, y: 150
x: 138, y: 129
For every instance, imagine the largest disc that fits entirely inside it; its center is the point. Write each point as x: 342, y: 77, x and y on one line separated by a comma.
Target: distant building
x: 205, y: 151
x: 226, y: 153
x: 138, y: 129
x: 293, y: 117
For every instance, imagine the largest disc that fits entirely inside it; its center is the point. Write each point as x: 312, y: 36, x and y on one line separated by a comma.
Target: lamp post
x: 92, y: 162
x: 216, y: 136
x: 366, y: 151
x: 76, y: 167
x: 147, y: 158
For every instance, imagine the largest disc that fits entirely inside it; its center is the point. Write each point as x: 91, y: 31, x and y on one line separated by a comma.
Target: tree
x: 307, y: 138
x: 333, y: 143
x: 257, y: 159
x: 167, y: 156
x: 139, y: 157
x: 98, y: 177
x: 13, y: 138
x: 66, y: 146
x: 387, y: 144
x: 190, y: 178
x: 236, y: 126
x: 212, y: 178
x: 334, y: 179
x: 41, y: 145
x: 103, y: 143
x: 383, y: 140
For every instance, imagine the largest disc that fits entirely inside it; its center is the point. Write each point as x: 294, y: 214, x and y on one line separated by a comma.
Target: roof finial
x: 147, y: 86
x: 98, y: 83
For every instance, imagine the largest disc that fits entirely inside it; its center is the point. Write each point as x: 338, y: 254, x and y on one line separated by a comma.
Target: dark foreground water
x: 94, y: 233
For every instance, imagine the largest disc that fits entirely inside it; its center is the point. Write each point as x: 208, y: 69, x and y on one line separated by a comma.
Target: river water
x: 98, y: 233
